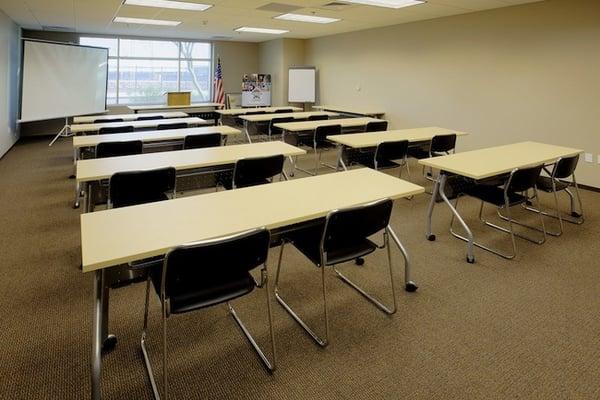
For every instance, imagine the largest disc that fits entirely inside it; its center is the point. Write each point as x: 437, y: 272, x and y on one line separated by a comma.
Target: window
x: 141, y: 71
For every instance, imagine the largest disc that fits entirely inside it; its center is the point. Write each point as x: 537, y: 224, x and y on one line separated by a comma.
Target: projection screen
x: 62, y: 80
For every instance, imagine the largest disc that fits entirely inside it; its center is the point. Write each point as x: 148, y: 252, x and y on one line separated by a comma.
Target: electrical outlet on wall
x: 589, y: 157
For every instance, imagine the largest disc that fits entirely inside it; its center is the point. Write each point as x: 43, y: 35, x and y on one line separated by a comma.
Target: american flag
x: 219, y: 92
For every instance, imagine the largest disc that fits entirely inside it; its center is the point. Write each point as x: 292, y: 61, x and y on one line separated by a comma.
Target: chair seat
x: 418, y: 153
x: 382, y: 164
x: 494, y: 195
x: 209, y: 294
x: 307, y: 241
x: 545, y: 183
x: 229, y: 184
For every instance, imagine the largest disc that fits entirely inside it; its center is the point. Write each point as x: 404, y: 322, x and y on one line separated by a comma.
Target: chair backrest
x: 115, y: 129
x: 376, y: 126
x: 149, y: 118
x: 140, y: 187
x: 279, y: 120
x: 198, y: 267
x: 565, y: 167
x: 254, y: 171
x: 176, y: 125
x: 283, y: 110
x: 202, y: 141
x: 107, y: 120
x: 442, y: 143
x: 116, y: 149
x: 396, y: 150
x: 322, y: 132
x: 351, y: 225
x: 522, y: 179
x: 255, y: 112
x: 318, y: 117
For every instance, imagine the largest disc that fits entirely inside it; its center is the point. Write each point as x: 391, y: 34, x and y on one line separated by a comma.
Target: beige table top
x: 104, y: 168
x: 128, y: 117
x: 492, y: 161
x: 131, y: 233
x: 372, y: 139
x: 152, y: 136
x: 241, y: 111
x: 312, y: 125
x: 78, y: 128
x: 295, y: 115
x: 351, y: 110
x: 166, y: 107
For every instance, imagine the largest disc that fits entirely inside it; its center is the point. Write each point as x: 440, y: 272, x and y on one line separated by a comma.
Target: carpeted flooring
x: 526, y: 329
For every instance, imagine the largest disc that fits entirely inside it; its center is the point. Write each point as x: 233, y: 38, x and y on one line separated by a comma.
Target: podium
x: 179, y: 98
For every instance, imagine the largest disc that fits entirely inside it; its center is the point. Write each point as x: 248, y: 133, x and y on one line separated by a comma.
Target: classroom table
x: 94, y: 170
x: 257, y: 118
x: 128, y: 117
x: 487, y: 163
x: 365, y: 112
x: 372, y: 139
x: 137, y: 109
x: 113, y: 237
x: 153, y: 123
x: 242, y: 111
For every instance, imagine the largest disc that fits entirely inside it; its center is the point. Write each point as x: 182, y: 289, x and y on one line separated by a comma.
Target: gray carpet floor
x: 522, y: 329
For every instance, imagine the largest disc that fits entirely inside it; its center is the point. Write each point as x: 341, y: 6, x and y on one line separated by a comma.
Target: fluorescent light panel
x: 177, y: 5
x: 387, y: 3
x: 307, y: 18
x: 144, y: 21
x: 261, y: 30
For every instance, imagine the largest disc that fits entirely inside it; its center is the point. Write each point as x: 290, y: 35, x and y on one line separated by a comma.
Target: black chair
x: 255, y: 171
x: 149, y: 118
x: 117, y: 149
x: 511, y: 193
x: 255, y: 112
x: 376, y: 126
x: 385, y: 154
x: 202, y: 141
x: 115, y: 129
x: 440, y: 145
x: 140, y: 187
x: 107, y: 120
x: 283, y: 111
x: 176, y: 125
x: 341, y: 237
x: 318, y: 142
x: 318, y: 117
x: 273, y: 130
x: 556, y: 182
x: 204, y: 274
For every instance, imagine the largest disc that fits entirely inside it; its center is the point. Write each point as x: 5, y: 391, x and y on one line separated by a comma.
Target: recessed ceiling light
x: 387, y: 3
x: 144, y: 21
x: 307, y: 18
x: 261, y: 30
x: 178, y: 5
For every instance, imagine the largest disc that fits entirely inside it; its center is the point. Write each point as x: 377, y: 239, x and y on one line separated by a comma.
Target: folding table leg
x: 409, y: 285
x: 97, y: 337
x: 247, y: 132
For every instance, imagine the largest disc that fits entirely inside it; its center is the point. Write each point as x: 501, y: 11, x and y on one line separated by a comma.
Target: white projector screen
x: 302, y: 85
x: 62, y: 80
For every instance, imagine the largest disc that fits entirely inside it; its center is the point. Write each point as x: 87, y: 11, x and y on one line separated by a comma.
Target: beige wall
x: 528, y: 72
x: 275, y: 57
x: 9, y: 87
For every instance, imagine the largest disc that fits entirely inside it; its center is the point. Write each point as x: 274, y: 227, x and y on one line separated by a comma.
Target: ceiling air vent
x: 221, y: 38
x: 57, y: 29
x: 279, y: 8
x: 335, y: 6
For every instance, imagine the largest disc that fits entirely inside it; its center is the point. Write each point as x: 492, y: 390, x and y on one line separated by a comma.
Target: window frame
x: 178, y: 59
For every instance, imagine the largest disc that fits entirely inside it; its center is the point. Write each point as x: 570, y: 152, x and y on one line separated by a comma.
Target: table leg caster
x: 411, y: 287
x: 359, y: 261
x: 431, y: 238
x: 76, y: 205
x: 575, y: 214
x: 471, y: 260
x: 109, y: 344
x: 71, y: 176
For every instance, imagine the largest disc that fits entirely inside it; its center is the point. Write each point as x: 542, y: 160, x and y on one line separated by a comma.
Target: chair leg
x: 270, y: 365
x: 323, y: 342
x: 367, y: 296
x: 164, y: 349
x: 143, y: 345
x: 512, y: 221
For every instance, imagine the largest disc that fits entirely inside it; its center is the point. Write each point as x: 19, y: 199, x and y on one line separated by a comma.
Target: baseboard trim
x: 590, y: 188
